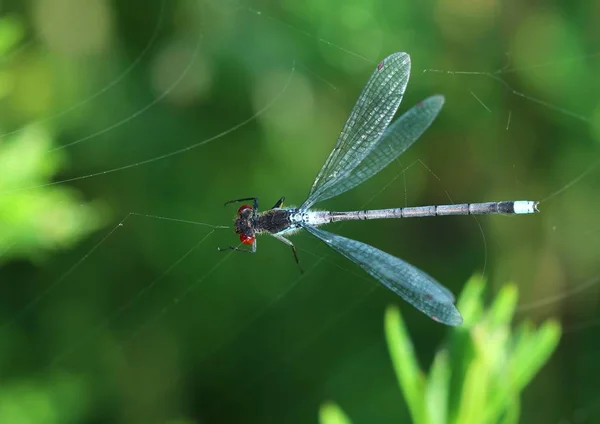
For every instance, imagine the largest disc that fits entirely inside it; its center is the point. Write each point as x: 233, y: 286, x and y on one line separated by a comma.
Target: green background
x: 102, y: 322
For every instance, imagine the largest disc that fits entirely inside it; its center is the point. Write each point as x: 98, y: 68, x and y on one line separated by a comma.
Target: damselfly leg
x: 254, y: 203
x: 238, y: 249
x: 289, y: 243
x: 279, y: 203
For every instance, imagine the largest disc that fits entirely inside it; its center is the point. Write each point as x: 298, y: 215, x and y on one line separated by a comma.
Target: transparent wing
x: 398, y: 137
x: 368, y: 120
x: 412, y: 284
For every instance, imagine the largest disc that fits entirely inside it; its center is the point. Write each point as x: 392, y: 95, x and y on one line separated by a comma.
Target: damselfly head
x: 243, y: 224
x: 244, y: 208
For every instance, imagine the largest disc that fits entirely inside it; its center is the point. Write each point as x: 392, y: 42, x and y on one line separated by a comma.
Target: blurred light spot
x: 461, y: 20
x: 361, y: 34
x: 40, y: 218
x: 59, y: 399
x: 331, y: 413
x: 11, y: 33
x: 542, y: 39
x: 33, y: 88
x: 355, y: 17
x: 294, y: 108
x: 75, y: 27
x: 313, y: 7
x: 24, y: 405
x: 180, y: 75
x: 289, y: 124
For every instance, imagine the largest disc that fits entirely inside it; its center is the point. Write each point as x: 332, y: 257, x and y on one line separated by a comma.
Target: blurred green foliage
x: 478, y: 376
x: 38, y: 218
x: 60, y: 400
x: 45, y: 217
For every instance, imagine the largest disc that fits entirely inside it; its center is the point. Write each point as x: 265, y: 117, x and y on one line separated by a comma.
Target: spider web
x: 226, y: 329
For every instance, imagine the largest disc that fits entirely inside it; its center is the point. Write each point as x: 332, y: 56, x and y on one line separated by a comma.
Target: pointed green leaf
x: 513, y: 410
x: 534, y: 354
x: 462, y: 348
x: 532, y: 349
x: 522, y: 335
x: 502, y: 310
x: 438, y: 385
x: 470, y: 303
x: 474, y: 393
x: 491, y: 344
x: 331, y: 413
x: 478, y: 378
x: 408, y: 373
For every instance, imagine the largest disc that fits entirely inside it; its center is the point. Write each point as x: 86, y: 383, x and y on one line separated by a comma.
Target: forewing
x: 368, y: 120
x: 412, y: 284
x: 398, y: 137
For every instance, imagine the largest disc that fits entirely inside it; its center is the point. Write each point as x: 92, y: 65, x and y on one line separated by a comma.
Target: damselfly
x: 365, y: 146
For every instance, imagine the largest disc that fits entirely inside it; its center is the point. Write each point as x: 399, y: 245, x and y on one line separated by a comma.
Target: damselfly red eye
x: 247, y: 239
x: 243, y: 208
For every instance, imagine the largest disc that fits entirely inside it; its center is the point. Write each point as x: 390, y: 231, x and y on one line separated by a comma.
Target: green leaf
x: 513, y: 410
x: 477, y: 378
x: 11, y: 33
x: 502, y: 310
x: 470, y: 303
x: 438, y: 386
x: 408, y: 373
x: 474, y: 394
x: 522, y: 335
x: 462, y: 346
x: 331, y: 413
x: 491, y: 344
x: 532, y: 349
x: 534, y: 353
